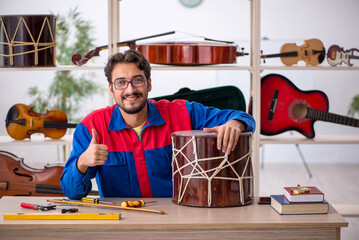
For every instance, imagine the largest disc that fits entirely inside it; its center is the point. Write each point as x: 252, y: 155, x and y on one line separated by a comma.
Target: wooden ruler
x: 59, y: 216
x: 106, y: 205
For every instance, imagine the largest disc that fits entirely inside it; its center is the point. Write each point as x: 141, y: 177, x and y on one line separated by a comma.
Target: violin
x: 312, y: 52
x: 18, y: 179
x: 176, y: 53
x: 21, y: 122
x: 337, y: 55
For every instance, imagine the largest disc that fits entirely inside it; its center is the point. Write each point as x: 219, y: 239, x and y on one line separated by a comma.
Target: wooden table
x: 248, y: 222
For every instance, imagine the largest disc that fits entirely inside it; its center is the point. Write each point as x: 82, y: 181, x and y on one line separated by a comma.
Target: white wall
x: 332, y: 21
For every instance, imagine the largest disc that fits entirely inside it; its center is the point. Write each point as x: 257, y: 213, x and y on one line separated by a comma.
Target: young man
x: 127, y: 146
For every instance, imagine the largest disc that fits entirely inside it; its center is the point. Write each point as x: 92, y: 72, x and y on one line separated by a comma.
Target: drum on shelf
x: 27, y: 40
x: 203, y: 176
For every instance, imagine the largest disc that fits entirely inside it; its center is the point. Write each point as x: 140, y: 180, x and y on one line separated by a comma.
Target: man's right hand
x: 95, y: 154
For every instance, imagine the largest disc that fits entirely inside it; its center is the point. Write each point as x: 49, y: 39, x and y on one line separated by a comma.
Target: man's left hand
x: 227, y: 135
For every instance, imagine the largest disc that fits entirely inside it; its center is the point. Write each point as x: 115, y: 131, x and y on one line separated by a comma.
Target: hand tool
x: 69, y: 210
x: 138, y: 203
x: 37, y: 206
x: 105, y: 205
x: 95, y: 200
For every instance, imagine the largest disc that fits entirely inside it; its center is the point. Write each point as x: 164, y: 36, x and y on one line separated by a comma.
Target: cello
x: 312, y: 52
x: 176, y: 53
x: 18, y: 179
x: 21, y: 122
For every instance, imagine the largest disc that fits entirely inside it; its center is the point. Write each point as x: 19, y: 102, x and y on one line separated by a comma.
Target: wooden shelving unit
x: 255, y: 68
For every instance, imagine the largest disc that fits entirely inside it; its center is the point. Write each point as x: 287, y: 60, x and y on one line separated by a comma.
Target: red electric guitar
x: 285, y: 107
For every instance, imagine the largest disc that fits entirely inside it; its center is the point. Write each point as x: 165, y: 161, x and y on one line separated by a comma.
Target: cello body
x: 18, y: 179
x: 189, y: 53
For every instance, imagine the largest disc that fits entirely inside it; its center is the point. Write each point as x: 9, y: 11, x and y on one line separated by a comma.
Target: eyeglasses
x: 121, y: 84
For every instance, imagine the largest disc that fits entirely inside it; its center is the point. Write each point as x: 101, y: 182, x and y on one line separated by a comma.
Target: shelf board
x: 159, y: 67
x: 153, y: 66
x: 57, y: 68
x: 217, y: 67
x: 320, y: 139
x: 201, y: 67
x: 323, y: 68
x: 36, y: 140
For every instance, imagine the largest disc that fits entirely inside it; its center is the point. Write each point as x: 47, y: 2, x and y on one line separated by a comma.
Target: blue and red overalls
x: 138, y: 167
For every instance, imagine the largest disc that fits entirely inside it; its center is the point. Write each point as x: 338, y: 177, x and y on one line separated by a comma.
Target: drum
x: 203, y: 176
x: 27, y: 40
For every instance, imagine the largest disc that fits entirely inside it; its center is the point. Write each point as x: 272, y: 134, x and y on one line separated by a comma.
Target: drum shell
x: 9, y: 26
x: 223, y: 193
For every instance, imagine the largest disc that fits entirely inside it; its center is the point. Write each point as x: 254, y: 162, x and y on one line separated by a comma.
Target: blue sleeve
x: 202, y: 116
x: 74, y: 184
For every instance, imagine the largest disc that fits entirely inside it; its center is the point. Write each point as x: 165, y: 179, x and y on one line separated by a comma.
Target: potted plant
x: 68, y: 89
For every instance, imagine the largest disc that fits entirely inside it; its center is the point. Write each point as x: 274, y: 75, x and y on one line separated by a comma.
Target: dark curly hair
x: 129, y: 56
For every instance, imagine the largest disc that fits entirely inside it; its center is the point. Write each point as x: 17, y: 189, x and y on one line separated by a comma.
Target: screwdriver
x: 95, y: 200
x: 138, y: 203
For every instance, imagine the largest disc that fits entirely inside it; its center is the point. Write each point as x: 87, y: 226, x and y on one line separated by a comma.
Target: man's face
x: 132, y: 99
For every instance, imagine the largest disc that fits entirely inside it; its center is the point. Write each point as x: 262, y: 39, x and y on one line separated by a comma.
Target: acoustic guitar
x: 284, y: 107
x: 337, y: 55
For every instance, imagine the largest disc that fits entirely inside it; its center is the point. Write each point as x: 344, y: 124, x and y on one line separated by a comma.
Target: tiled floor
x: 339, y: 182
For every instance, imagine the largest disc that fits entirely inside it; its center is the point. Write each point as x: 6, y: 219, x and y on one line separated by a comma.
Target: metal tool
x: 38, y: 207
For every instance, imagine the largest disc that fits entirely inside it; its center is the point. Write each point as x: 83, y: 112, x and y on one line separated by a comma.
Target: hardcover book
x: 280, y: 204
x: 315, y: 195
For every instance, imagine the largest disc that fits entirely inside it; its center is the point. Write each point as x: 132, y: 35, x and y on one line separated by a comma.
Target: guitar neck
x: 353, y: 57
x: 287, y: 54
x: 330, y: 117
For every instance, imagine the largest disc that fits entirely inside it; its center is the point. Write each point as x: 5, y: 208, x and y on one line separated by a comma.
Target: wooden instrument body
x: 188, y: 53
x: 337, y: 55
x: 285, y: 107
x: 307, y: 52
x: 312, y: 52
x: 27, y: 40
x: 18, y: 179
x: 193, y: 167
x: 22, y: 122
x: 278, y: 113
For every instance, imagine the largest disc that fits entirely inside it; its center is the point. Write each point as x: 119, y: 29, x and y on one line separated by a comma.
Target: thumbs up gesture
x: 95, y: 154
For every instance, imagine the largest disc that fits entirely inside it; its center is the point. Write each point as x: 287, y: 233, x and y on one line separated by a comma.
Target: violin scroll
x: 79, y: 61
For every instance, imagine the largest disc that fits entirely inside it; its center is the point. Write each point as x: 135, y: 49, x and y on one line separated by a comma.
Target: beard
x: 132, y: 109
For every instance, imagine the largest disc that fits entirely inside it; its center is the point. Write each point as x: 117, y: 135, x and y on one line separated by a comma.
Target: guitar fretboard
x: 316, y: 114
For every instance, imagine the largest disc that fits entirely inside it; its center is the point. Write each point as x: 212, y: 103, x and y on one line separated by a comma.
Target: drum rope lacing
x: 12, y: 43
x: 201, y: 173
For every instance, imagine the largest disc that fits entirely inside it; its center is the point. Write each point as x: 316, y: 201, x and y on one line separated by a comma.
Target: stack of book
x: 300, y: 200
